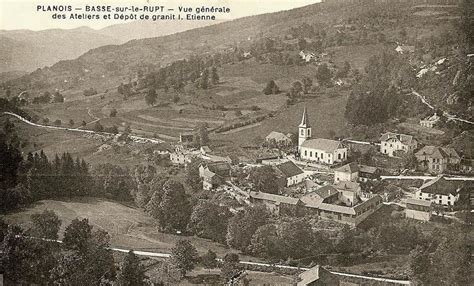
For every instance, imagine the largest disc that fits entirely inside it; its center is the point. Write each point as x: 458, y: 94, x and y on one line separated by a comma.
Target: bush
x: 89, y: 92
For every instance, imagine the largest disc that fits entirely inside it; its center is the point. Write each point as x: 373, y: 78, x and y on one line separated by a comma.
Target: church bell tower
x: 304, y: 129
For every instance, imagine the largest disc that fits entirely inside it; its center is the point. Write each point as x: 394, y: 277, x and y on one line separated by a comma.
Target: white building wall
x: 445, y: 200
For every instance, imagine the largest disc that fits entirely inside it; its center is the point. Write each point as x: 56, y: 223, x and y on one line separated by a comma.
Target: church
x: 318, y: 150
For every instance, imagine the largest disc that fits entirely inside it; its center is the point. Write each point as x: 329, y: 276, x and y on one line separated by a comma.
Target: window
x: 322, y: 155
x: 302, y: 132
x: 309, y: 132
x: 311, y: 153
x: 339, y: 156
x: 305, y: 153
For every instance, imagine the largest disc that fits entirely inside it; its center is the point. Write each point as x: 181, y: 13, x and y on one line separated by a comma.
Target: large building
x: 390, y: 143
x: 418, y: 209
x: 438, y: 159
x: 318, y: 150
x: 440, y: 191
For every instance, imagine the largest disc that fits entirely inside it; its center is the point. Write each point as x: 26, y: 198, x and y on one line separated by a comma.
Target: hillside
x: 26, y: 50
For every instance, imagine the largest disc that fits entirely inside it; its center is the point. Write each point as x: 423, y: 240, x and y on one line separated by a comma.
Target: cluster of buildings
x: 343, y: 200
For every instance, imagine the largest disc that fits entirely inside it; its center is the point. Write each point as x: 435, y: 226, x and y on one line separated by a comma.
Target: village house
x: 438, y: 159
x: 317, y: 276
x: 346, y: 173
x: 393, y: 142
x: 319, y: 150
x: 368, y: 173
x: 186, y: 137
x: 276, y: 204
x: 418, y: 209
x: 205, y: 150
x: 307, y: 56
x: 440, y: 191
x: 403, y: 49
x: 183, y: 156
x: 430, y: 121
x: 278, y: 138
x: 214, y: 174
x: 324, y: 202
x: 292, y: 174
x: 349, y: 192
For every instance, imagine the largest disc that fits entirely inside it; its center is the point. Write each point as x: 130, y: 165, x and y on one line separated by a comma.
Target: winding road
x: 167, y: 255
x: 137, y: 139
x: 445, y: 113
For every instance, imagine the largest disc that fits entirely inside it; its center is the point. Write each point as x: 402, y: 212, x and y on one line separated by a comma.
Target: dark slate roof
x: 289, y: 169
x: 438, y: 152
x: 348, y: 168
x: 368, y: 169
x: 405, y: 139
x: 418, y: 202
x: 441, y: 186
x: 326, y: 192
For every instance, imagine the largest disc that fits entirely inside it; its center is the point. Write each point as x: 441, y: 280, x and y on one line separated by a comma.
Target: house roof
x: 440, y: 186
x: 347, y: 186
x: 206, y: 149
x: 289, y: 169
x: 367, y: 169
x: 348, y: 168
x: 220, y: 168
x: 326, y: 145
x: 326, y: 192
x: 405, y: 139
x: 273, y: 198
x: 375, y: 199
x: 337, y: 209
x: 316, y: 273
x: 277, y: 136
x: 418, y: 202
x: 437, y: 152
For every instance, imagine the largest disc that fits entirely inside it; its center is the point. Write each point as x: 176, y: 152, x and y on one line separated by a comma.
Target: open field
x: 128, y: 227
x: 325, y: 114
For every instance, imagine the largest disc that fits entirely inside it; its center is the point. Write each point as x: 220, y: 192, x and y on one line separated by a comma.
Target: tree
x: 230, y: 266
x: 131, y: 271
x: 192, y: 174
x: 419, y: 265
x: 58, y: 97
x: 150, y: 97
x: 271, y: 88
x: 214, y: 76
x: 209, y: 259
x: 324, y: 74
x: 71, y: 122
x: 77, y: 235
x: 209, y: 220
x: 184, y: 256
x: 98, y: 127
x: 265, y: 242
x: 113, y: 112
x: 204, y: 80
x: 307, y: 84
x: 296, y: 89
x: 265, y: 180
x: 45, y: 225
x: 174, y: 209
x: 57, y: 122
x: 202, y: 135
x: 243, y: 225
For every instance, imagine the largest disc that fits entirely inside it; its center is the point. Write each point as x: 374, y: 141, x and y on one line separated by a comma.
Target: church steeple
x: 304, y: 120
x: 304, y: 129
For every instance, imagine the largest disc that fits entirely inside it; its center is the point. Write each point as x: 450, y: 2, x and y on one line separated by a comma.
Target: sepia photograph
x: 237, y: 142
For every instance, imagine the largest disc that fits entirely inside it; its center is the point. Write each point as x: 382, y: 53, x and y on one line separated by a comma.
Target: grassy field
x: 128, y: 227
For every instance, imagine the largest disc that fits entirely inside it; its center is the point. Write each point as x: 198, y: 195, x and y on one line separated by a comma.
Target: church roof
x: 304, y: 120
x: 326, y: 145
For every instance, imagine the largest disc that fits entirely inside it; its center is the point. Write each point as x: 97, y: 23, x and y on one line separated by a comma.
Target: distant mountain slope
x: 25, y: 50
x: 119, y: 60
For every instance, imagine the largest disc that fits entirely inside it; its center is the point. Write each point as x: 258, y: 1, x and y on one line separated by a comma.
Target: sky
x: 23, y: 14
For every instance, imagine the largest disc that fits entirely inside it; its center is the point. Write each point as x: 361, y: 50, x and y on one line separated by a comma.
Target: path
x: 424, y: 178
x: 445, y: 113
x: 167, y: 255
x: 137, y: 139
